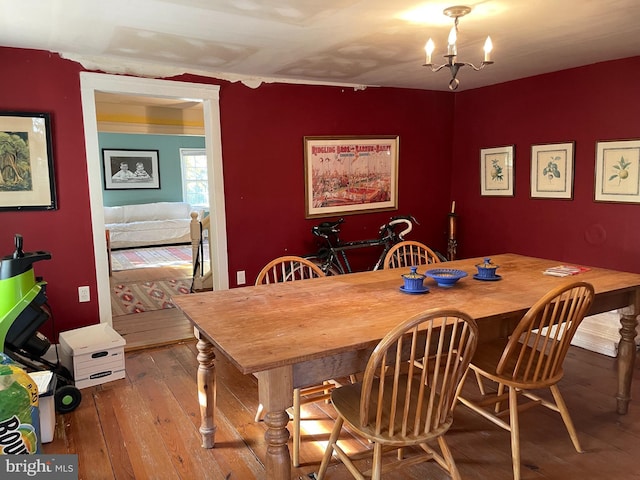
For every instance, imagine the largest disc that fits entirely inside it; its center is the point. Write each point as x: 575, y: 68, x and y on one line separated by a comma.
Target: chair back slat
x: 409, y: 253
x: 409, y: 383
x: 537, y: 348
x: 288, y: 268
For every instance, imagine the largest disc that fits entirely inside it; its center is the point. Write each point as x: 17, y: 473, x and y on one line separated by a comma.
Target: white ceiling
x: 346, y: 42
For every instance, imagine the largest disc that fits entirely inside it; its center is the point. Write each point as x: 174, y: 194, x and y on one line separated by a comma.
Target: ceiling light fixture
x: 452, y: 49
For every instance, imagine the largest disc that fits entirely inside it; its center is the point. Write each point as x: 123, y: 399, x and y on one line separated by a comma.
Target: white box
x: 94, y: 354
x: 46, y: 382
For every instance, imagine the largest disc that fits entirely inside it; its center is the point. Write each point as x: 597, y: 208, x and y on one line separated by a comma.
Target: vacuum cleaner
x: 23, y: 310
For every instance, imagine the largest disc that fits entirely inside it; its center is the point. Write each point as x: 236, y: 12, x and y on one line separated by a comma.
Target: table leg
x: 276, y: 394
x: 206, y: 390
x: 627, y: 353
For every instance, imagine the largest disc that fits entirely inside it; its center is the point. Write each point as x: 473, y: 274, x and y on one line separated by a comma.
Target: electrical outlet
x: 241, y: 279
x: 84, y: 294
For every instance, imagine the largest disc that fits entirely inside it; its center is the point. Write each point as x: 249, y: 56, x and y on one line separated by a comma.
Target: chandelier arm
x: 482, y: 65
x: 436, y: 68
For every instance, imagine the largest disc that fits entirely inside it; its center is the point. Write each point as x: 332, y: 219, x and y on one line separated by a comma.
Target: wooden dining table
x: 296, y: 334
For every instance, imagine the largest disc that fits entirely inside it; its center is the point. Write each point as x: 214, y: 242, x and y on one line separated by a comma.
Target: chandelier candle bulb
x: 488, y: 46
x: 429, y: 48
x: 451, y: 48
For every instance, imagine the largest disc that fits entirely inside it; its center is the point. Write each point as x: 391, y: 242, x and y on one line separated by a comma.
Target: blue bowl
x: 445, y: 277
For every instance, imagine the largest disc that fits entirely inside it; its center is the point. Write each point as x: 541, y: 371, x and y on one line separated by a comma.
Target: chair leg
x: 515, y: 432
x: 564, y: 412
x: 460, y: 386
x: 376, y: 472
x: 446, y: 453
x: 480, y: 383
x: 498, y: 405
x: 326, y: 458
x: 296, y: 427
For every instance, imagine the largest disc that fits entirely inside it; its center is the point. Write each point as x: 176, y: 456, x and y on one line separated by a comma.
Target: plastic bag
x: 19, y: 413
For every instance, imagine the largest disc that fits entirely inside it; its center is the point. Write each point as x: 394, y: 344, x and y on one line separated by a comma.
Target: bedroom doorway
x: 91, y: 84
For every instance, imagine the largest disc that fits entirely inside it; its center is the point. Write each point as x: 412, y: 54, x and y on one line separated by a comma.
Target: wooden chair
x: 531, y: 358
x: 410, y: 253
x: 288, y: 269
x: 399, y: 405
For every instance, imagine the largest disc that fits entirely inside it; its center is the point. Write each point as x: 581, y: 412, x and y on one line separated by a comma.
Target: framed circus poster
x: 350, y: 174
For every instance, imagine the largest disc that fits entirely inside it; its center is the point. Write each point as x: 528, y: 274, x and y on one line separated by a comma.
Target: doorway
x: 207, y: 94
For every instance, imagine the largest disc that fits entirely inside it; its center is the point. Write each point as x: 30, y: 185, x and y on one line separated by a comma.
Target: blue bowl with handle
x: 445, y: 277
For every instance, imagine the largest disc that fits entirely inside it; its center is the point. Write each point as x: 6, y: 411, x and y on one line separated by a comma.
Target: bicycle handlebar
x: 408, y: 220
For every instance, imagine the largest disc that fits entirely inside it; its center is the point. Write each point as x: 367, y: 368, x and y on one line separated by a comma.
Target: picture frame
x: 552, y: 170
x: 496, y: 171
x: 347, y: 175
x: 130, y: 169
x: 617, y: 175
x: 27, y: 178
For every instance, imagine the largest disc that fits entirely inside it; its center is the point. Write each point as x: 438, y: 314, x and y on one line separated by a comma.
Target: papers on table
x: 565, y: 270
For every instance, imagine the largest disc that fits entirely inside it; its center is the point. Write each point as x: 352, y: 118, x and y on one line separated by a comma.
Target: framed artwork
x: 618, y: 171
x: 130, y: 169
x: 27, y: 180
x: 348, y: 175
x: 496, y: 171
x: 552, y: 170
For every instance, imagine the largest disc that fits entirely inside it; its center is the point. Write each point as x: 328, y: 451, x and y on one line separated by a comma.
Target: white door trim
x: 209, y: 95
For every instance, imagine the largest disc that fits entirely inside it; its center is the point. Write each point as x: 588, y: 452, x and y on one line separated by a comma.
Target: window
x: 195, y: 184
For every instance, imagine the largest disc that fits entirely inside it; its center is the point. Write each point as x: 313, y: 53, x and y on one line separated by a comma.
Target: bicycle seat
x: 326, y: 228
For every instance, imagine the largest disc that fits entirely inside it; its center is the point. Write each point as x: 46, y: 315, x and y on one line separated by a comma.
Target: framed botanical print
x: 618, y: 171
x: 496, y: 171
x: 552, y: 170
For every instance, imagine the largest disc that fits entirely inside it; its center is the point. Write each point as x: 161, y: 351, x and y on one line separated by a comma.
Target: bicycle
x: 332, y: 256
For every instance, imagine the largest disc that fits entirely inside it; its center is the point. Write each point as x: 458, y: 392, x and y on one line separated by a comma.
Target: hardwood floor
x: 146, y: 427
x: 154, y: 328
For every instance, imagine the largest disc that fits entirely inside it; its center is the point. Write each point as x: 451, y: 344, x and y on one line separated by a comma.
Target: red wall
x: 262, y: 143
x: 585, y: 105
x: 35, y: 81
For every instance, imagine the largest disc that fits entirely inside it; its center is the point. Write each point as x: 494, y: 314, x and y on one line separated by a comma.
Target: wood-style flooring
x: 158, y: 327
x: 146, y: 427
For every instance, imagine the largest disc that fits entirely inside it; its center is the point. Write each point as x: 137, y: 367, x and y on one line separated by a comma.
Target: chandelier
x: 452, y: 50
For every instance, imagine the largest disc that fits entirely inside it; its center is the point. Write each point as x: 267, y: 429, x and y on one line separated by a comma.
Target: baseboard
x: 600, y: 333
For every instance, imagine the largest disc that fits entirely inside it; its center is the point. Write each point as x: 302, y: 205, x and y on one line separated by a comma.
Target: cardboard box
x: 46, y: 382
x: 94, y: 354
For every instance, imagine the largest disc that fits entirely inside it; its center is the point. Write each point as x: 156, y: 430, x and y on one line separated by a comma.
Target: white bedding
x: 147, y: 224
